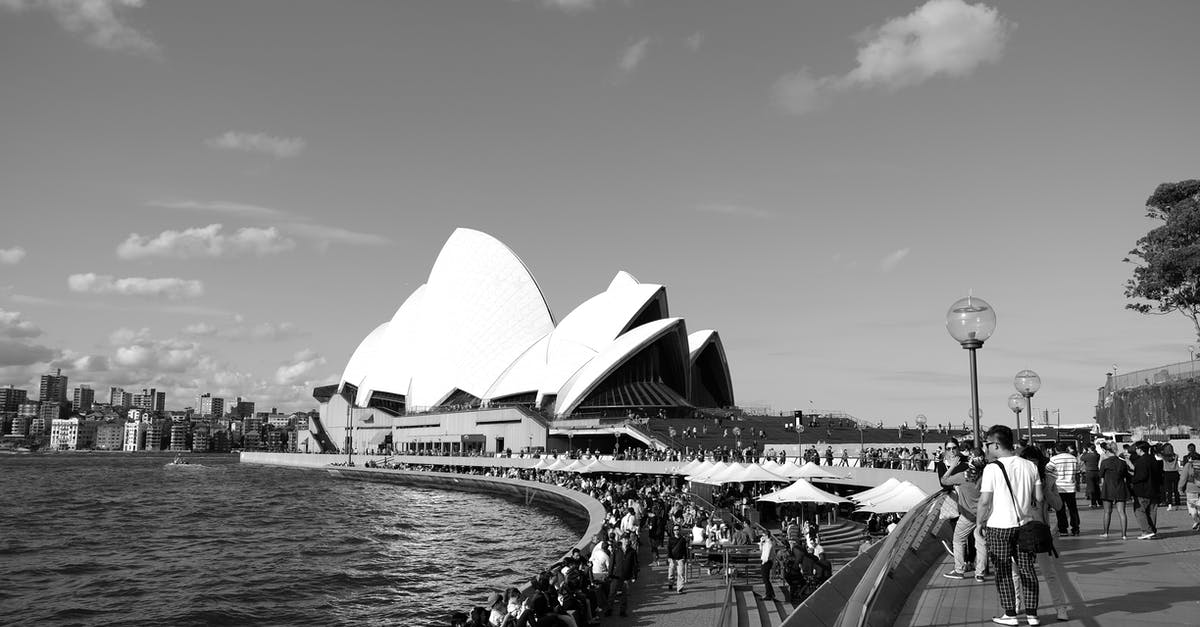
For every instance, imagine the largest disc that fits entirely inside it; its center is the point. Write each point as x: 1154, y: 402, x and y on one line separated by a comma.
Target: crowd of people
x: 1005, y: 484
x: 656, y: 513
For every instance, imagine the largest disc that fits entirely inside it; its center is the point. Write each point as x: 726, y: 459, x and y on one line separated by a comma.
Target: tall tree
x: 1167, y: 265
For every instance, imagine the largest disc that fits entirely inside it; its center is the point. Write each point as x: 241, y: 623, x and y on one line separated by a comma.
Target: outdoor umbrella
x: 713, y: 470
x: 902, y: 499
x: 754, y: 472
x: 879, y: 490
x: 812, y: 471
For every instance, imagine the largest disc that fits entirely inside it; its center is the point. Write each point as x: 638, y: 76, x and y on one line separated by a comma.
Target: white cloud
x: 302, y: 363
x: 570, y: 6
x: 234, y: 208
x: 889, y: 263
x: 325, y: 235
x: 263, y: 332
x: 940, y: 38
x: 633, y: 56
x: 170, y: 288
x: 97, y: 20
x: 694, y: 41
x: 741, y: 211
x: 18, y: 353
x: 206, y: 241
x: 12, y: 255
x: 12, y: 325
x: 279, y: 147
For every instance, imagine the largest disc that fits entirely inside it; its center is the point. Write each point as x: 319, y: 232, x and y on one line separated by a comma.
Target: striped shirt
x: 1064, y: 466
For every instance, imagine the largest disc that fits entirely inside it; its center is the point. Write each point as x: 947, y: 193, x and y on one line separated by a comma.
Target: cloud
x: 633, y: 56
x: 170, y: 288
x: 263, y: 332
x: 694, y: 41
x: 97, y: 20
x: 12, y: 255
x: 206, y: 241
x: 278, y: 147
x: 889, y: 263
x: 325, y: 235
x: 301, y: 364
x: 11, y: 325
x: 940, y: 38
x: 233, y: 208
x: 742, y: 211
x: 570, y: 6
x: 15, y: 352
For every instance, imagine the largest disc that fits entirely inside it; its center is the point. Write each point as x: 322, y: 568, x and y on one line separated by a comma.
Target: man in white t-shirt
x: 1002, y: 511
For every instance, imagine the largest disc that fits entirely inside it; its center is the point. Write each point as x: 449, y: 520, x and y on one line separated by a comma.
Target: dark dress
x: 1114, y: 480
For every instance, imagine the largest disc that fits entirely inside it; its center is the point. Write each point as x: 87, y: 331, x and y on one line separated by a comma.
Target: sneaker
x: 1075, y: 532
x: 1033, y: 619
x: 1104, y: 536
x: 954, y: 574
x: 980, y: 579
x: 1005, y: 620
x: 1195, y: 526
x: 1145, y: 536
x: 1124, y: 537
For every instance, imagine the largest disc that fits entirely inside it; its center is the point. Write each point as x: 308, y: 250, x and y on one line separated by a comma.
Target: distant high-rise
x: 83, y: 398
x: 150, y: 400
x: 11, y: 398
x: 119, y: 398
x: 54, y: 387
x: 243, y: 409
x: 210, y: 406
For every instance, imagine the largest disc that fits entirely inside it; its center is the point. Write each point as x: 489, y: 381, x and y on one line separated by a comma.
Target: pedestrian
x: 1114, y: 487
x: 965, y: 529
x: 1146, y: 486
x: 1170, y: 467
x: 678, y: 548
x: 1065, y: 467
x: 1190, y: 471
x: 766, y: 545
x: 624, y: 572
x: 1008, y: 497
x: 1089, y: 460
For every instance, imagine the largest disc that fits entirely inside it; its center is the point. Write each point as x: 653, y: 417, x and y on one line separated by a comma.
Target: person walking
x: 766, y: 545
x: 677, y: 556
x: 625, y: 569
x: 1009, y: 494
x: 1114, y: 488
x: 1065, y: 467
x: 1146, y: 486
x: 1190, y: 471
x: 1089, y: 460
x: 1170, y: 468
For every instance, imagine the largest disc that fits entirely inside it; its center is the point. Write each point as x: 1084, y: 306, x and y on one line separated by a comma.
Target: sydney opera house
x: 473, y: 360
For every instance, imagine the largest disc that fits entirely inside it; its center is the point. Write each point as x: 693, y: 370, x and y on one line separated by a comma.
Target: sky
x: 227, y: 197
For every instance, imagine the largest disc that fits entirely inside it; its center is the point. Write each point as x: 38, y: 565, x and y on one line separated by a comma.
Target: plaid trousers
x: 1002, y: 549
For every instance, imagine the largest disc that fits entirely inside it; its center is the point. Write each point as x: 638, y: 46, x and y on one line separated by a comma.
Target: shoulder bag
x: 1033, y: 536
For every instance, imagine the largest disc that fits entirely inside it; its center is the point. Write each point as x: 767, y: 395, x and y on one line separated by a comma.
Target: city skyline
x: 221, y: 198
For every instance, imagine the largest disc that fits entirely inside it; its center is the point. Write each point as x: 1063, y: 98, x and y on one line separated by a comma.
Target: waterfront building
x: 110, y: 435
x: 54, y: 387
x: 150, y: 400
x: 201, y: 438
x: 218, y: 441
x: 135, y: 436
x: 278, y: 420
x: 180, y: 432
x: 82, y: 399
x: 252, y: 434
x: 210, y: 406
x: 11, y: 398
x: 478, y: 336
x: 119, y: 398
x: 72, y: 434
x: 153, y: 440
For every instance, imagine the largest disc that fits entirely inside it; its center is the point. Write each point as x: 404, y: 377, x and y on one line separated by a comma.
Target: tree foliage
x: 1166, y: 276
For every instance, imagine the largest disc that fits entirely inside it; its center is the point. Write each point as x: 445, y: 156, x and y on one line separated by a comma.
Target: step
x: 747, y: 603
x: 768, y: 613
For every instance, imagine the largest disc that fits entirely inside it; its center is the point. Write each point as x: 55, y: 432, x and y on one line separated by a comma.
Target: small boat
x: 180, y: 461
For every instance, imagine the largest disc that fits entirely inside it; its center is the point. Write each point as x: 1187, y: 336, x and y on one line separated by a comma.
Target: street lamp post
x: 971, y: 321
x: 1016, y: 404
x: 1027, y: 383
x: 922, y: 423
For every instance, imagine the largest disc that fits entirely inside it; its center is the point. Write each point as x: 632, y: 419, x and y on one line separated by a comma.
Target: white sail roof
x: 624, y: 347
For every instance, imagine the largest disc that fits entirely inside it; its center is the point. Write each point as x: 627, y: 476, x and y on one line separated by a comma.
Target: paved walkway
x: 1106, y: 582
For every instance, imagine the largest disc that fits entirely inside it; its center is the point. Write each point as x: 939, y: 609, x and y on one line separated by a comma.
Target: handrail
x: 726, y: 617
x: 906, y: 540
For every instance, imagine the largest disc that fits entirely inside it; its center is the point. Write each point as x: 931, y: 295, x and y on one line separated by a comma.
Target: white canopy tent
x: 812, y: 471
x: 755, y: 472
x: 712, y: 471
x: 802, y: 492
x: 905, y: 497
x: 879, y: 490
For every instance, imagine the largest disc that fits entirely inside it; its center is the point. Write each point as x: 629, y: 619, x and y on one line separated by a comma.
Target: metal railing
x: 1181, y: 371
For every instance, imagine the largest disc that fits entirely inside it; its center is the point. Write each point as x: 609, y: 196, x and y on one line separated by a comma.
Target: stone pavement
x: 1105, y: 581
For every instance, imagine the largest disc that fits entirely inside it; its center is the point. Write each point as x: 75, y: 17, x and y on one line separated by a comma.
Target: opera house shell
x: 479, y: 334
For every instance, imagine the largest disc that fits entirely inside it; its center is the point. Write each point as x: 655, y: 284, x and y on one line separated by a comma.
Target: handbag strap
x: 1016, y: 508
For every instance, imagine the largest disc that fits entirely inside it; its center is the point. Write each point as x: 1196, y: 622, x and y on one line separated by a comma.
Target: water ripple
x: 120, y: 539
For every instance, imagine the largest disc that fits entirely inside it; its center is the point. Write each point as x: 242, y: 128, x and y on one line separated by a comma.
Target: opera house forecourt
x: 473, y: 361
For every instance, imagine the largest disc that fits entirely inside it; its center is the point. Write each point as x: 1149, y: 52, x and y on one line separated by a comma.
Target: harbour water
x: 124, y: 539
